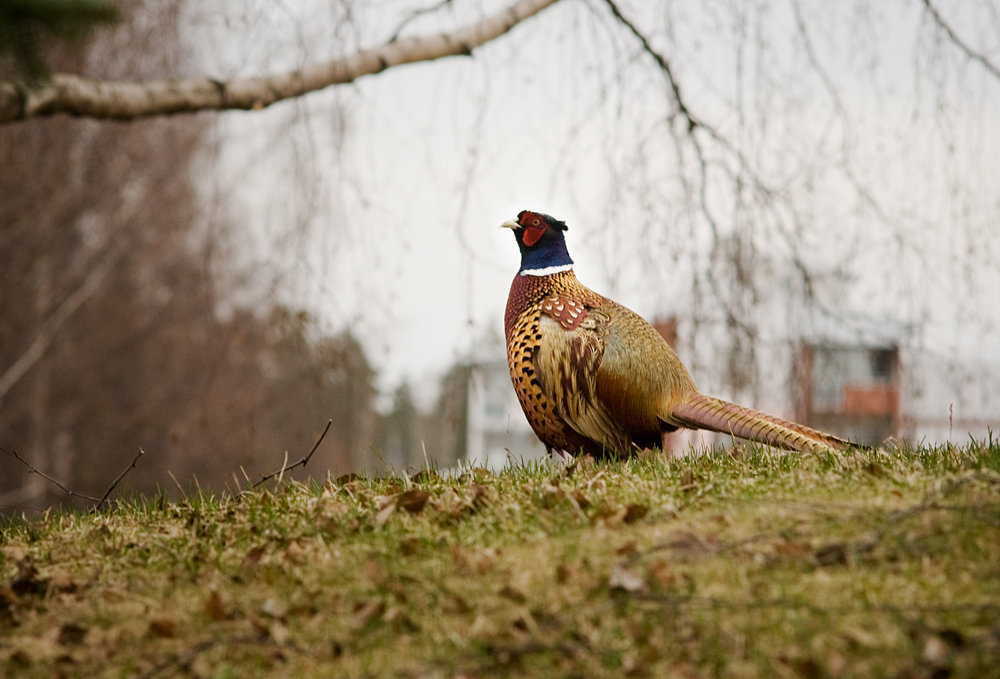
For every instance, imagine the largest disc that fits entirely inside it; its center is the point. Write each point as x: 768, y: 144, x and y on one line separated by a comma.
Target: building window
x: 850, y: 391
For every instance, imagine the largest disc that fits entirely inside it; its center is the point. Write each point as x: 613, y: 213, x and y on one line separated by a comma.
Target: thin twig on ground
x: 33, y: 470
x: 121, y: 476
x: 301, y: 463
x: 72, y: 493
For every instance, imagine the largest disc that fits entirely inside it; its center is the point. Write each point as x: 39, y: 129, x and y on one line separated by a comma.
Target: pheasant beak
x: 510, y: 224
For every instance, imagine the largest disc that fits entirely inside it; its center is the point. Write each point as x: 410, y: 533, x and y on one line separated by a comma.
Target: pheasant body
x: 594, y: 377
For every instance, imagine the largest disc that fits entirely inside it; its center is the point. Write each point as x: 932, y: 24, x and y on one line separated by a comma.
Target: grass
x: 743, y: 563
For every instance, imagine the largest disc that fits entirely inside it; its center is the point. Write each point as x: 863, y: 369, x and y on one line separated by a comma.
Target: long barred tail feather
x: 705, y: 412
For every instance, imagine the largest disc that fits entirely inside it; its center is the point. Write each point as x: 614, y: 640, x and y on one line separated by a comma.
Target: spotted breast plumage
x: 594, y: 377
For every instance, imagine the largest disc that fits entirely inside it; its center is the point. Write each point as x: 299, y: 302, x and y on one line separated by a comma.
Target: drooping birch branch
x: 958, y: 42
x: 115, y: 100
x: 48, y: 330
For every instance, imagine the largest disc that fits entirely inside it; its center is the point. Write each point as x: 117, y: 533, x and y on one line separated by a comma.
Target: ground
x: 747, y: 562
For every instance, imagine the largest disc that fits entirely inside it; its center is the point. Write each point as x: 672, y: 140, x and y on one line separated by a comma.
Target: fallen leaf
x: 935, y: 651
x: 8, y: 597
x: 525, y: 623
x: 952, y: 637
x: 632, y: 665
x: 409, y: 545
x: 478, y: 496
x: 688, y: 544
x: 807, y: 668
x: 607, y: 514
x: 400, y: 621
x: 791, y: 548
x: 662, y: 574
x: 552, y: 489
x: 275, y: 608
x: 71, y: 634
x: 14, y: 553
x: 512, y: 593
x: 413, y: 500
x: 386, y: 507
x: 214, y: 608
x: 27, y: 580
x: 27, y: 650
x: 252, y: 558
x: 260, y: 628
x: 295, y: 553
x: 164, y: 627
x: 485, y: 559
x: 480, y: 473
x: 424, y: 476
x: 634, y: 513
x: 831, y: 554
x: 630, y: 548
x: 624, y: 579
x: 278, y: 631
x: 835, y: 664
x: 860, y: 637
x: 374, y: 571
x: 59, y: 580
x: 459, y: 605
x: 460, y: 558
x: 875, y: 469
x: 332, y: 509
x: 366, y: 611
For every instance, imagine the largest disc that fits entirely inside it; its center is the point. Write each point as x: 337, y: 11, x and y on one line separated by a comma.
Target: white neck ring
x: 547, y: 270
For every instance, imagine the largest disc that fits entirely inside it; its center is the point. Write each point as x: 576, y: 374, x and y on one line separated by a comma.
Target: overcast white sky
x: 393, y: 188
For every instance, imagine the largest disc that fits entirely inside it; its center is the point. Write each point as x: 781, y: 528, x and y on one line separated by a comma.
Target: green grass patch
x: 741, y: 563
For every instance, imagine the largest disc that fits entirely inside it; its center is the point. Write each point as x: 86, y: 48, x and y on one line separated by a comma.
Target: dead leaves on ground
x: 543, y: 573
x: 450, y: 506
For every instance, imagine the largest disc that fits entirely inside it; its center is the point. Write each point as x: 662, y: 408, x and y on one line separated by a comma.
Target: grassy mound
x: 741, y: 563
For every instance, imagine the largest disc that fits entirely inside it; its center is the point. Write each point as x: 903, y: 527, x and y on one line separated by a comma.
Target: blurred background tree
x: 26, y: 26
x: 110, y: 336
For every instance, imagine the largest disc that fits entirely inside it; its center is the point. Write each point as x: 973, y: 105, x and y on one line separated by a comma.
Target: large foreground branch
x: 124, y: 101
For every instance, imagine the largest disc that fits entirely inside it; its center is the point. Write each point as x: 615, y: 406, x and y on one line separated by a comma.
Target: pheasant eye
x: 535, y: 222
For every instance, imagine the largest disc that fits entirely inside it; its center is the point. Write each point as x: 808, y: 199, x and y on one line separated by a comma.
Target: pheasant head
x: 540, y: 239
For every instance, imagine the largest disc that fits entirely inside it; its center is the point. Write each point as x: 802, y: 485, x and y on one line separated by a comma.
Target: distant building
x: 497, y: 428
x: 851, y: 390
x: 865, y: 391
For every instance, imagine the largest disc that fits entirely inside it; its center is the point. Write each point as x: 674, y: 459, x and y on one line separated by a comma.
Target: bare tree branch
x: 663, y: 64
x: 961, y: 44
x: 695, y: 124
x: 414, y: 15
x: 125, y: 101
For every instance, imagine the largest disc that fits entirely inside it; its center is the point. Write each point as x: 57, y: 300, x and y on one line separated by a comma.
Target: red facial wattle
x: 534, y: 227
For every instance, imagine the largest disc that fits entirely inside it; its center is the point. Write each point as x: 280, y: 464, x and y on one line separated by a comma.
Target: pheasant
x: 592, y: 376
